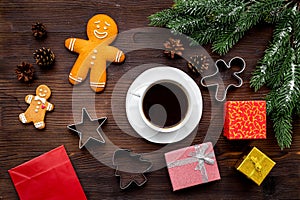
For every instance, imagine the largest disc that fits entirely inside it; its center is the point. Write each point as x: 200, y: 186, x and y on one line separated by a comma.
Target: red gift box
x: 48, y: 177
x: 192, y: 166
x: 245, y: 120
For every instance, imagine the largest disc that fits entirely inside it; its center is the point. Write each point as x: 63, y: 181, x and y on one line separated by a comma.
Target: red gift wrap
x: 245, y: 120
x: 48, y: 177
x: 192, y: 166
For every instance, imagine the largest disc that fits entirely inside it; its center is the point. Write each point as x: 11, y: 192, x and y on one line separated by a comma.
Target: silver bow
x: 201, y: 156
x: 43, y: 100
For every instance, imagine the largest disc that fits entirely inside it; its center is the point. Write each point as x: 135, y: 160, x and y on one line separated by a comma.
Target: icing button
x: 36, y: 110
x: 37, y: 107
x: 39, y: 102
x: 92, y: 63
x: 93, y: 57
x: 95, y: 51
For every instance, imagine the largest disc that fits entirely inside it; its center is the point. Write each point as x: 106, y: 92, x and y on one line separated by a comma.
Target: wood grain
x: 63, y: 19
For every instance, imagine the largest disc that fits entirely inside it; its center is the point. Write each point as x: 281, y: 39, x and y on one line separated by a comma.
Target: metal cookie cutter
x: 88, y: 129
x: 236, y: 61
x: 130, y: 167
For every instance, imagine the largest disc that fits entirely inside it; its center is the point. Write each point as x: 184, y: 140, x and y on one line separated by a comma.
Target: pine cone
x: 39, y: 30
x: 44, y: 57
x: 198, y: 63
x: 25, y: 72
x: 173, y: 47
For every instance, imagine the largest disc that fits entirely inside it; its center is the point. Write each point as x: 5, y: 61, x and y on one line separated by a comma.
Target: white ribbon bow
x: 202, y: 156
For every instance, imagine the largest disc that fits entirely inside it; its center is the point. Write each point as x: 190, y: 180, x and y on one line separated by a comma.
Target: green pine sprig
x: 163, y: 17
x: 280, y: 70
x: 222, y: 23
x: 252, y: 15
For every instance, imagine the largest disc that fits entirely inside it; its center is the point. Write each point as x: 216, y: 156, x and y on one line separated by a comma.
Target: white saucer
x: 156, y: 74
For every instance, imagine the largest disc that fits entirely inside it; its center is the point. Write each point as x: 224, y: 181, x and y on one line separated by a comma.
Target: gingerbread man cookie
x: 93, y: 53
x: 38, y: 106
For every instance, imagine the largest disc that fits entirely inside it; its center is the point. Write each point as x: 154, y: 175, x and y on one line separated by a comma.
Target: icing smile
x: 42, y: 95
x: 100, y: 35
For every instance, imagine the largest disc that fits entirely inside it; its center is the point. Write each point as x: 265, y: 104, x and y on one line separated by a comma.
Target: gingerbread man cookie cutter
x: 95, y: 52
x: 38, y: 106
x: 236, y: 61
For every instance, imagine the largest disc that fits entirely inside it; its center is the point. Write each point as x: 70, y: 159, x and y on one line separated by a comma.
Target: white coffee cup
x: 140, y: 93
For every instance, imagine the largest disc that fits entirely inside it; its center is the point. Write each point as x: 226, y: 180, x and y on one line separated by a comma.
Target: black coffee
x: 165, y: 104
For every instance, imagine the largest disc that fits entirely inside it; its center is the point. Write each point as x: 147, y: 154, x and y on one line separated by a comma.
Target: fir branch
x: 278, y: 71
x: 268, y: 65
x: 196, y: 8
x: 283, y: 130
x: 163, y: 17
x: 227, y: 40
x: 284, y: 79
x: 252, y: 16
x: 288, y: 93
x: 276, y: 14
x: 284, y: 101
x: 187, y: 25
x: 267, y: 71
x: 296, y: 39
x: 206, y: 35
x: 283, y: 56
x: 296, y: 45
x: 270, y: 99
x: 231, y: 13
x: 297, y: 110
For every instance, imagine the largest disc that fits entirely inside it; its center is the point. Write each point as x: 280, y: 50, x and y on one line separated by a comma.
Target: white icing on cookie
x: 72, y: 43
x: 98, y: 85
x: 100, y: 35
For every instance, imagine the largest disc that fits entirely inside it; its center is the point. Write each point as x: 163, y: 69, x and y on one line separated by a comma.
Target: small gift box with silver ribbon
x: 192, y: 166
x: 255, y: 165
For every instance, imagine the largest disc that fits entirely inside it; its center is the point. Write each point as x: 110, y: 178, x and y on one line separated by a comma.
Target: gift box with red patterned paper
x: 245, y: 120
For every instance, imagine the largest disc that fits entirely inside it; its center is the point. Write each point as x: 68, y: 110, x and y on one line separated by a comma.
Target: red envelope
x: 48, y: 177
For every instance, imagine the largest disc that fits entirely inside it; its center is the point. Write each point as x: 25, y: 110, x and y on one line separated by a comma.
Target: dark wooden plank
x: 20, y: 143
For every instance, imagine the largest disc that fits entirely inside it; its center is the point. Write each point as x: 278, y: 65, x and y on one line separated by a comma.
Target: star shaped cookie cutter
x: 85, y: 132
x: 130, y: 167
x: 236, y: 61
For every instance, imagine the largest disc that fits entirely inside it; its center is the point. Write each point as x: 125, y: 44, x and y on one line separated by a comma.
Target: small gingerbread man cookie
x: 38, y: 106
x: 93, y: 53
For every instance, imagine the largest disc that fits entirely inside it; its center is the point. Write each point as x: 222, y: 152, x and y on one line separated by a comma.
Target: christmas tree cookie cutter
x: 130, y: 167
x: 236, y: 62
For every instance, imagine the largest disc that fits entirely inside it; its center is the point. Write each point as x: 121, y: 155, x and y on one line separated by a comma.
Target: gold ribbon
x: 257, y: 165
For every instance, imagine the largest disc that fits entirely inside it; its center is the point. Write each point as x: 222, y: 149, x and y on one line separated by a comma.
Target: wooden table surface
x: 63, y: 19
